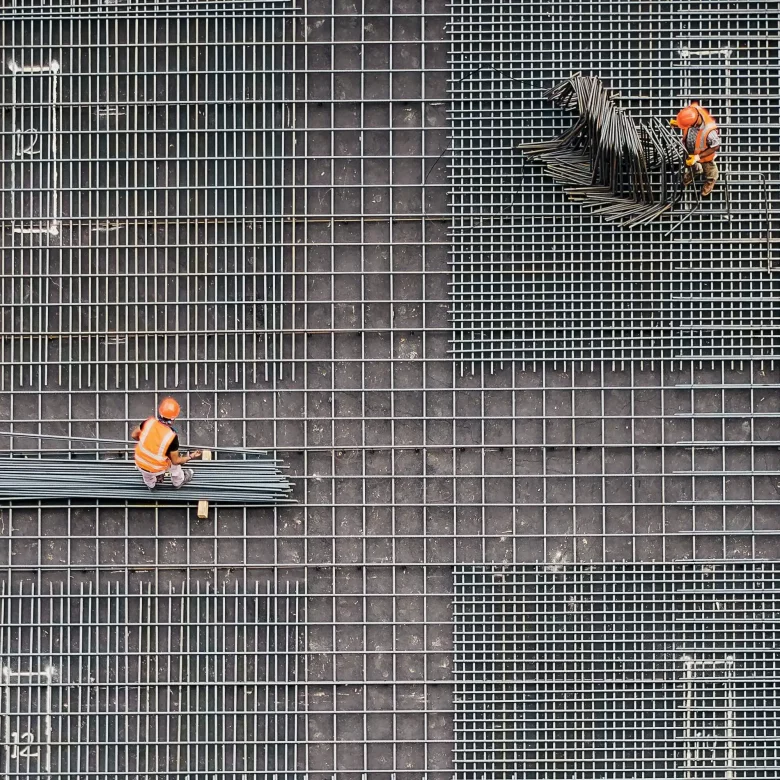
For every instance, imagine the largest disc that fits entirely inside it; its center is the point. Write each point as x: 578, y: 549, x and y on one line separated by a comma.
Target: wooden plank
x: 203, y: 506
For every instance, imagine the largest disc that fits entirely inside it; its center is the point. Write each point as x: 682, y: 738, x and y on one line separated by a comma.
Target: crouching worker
x: 157, y: 450
x: 701, y: 139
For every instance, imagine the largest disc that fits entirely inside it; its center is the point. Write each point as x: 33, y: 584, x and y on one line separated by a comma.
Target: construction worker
x: 701, y: 140
x: 157, y: 450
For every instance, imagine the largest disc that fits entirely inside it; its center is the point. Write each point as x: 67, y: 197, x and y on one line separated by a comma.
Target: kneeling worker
x: 157, y: 450
x: 701, y: 140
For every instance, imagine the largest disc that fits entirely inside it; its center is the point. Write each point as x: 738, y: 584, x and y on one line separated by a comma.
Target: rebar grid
x: 122, y: 10
x: 143, y: 200
x: 578, y: 465
x: 624, y: 671
x: 402, y: 466
x: 536, y: 277
x: 172, y: 683
x: 369, y: 119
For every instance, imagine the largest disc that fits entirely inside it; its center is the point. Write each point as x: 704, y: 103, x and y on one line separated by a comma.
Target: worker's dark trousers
x: 709, y: 170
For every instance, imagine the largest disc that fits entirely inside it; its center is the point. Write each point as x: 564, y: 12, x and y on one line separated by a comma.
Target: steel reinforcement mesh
x: 191, y: 681
x: 402, y: 467
x: 142, y: 195
x: 624, y: 671
x: 536, y: 277
x: 122, y: 10
x: 169, y: 126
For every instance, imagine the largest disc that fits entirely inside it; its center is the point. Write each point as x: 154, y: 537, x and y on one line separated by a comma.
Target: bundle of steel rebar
x: 248, y: 482
x: 627, y: 172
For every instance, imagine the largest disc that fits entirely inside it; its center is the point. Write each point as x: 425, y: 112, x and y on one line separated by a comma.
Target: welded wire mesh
x: 133, y: 9
x: 142, y: 199
x: 191, y: 680
x: 365, y: 244
x: 537, y: 277
x: 612, y: 464
x: 624, y: 671
x: 403, y: 468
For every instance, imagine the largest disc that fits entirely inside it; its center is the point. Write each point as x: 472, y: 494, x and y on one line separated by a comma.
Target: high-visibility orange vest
x: 708, y: 124
x: 150, y: 451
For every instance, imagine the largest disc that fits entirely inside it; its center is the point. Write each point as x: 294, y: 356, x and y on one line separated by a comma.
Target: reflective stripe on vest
x: 708, y: 124
x: 152, y: 446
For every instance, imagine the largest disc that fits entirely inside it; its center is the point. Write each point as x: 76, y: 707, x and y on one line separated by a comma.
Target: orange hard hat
x: 688, y: 116
x: 169, y: 408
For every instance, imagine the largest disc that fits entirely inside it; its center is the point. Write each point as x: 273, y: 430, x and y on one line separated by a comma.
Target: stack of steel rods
x: 624, y: 172
x: 247, y: 482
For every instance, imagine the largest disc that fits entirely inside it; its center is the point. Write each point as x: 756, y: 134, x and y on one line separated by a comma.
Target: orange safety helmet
x: 687, y: 117
x: 169, y: 408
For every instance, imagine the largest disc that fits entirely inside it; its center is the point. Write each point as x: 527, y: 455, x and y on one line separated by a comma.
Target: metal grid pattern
x: 625, y: 671
x: 70, y: 10
x: 577, y: 465
x: 551, y: 466
x: 155, y: 684
x: 143, y: 200
x: 403, y: 468
x: 536, y: 277
x: 365, y: 243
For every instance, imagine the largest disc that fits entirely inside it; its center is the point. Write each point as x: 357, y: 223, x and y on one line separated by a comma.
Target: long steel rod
x: 98, y: 440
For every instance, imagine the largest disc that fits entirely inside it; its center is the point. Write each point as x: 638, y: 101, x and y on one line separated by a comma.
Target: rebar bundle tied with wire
x: 627, y: 172
x: 247, y: 482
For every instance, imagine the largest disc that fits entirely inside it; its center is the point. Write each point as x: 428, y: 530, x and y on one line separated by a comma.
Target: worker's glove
x: 673, y: 123
x: 692, y: 160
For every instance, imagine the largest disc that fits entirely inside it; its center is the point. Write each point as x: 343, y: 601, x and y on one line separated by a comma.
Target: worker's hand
x: 692, y: 160
x: 673, y: 123
x: 195, y: 455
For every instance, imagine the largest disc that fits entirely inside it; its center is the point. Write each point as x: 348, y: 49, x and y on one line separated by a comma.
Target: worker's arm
x: 179, y: 460
x: 136, y: 434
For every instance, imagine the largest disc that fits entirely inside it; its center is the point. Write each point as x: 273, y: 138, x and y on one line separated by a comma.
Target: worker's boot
x: 709, y: 186
x: 687, y: 177
x: 188, y: 475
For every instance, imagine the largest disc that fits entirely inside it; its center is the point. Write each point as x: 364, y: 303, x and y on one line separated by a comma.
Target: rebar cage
x: 296, y: 298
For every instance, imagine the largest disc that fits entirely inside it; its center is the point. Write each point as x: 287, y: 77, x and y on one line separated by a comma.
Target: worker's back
x: 151, y: 452
x: 703, y: 138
